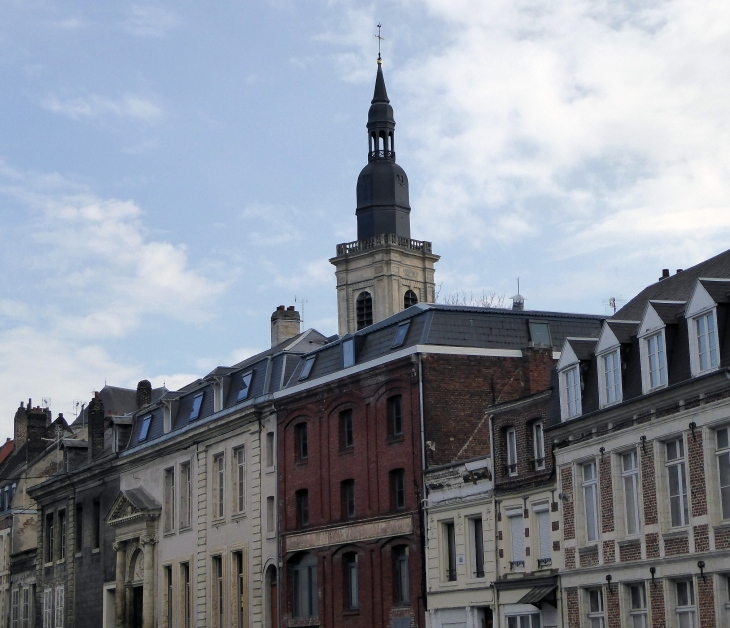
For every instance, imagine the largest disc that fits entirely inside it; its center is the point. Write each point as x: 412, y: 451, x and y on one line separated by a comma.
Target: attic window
x: 307, y: 368
x: 348, y: 353
x: 245, y: 386
x: 145, y: 427
x: 195, y: 410
x: 540, y: 334
x: 400, y: 335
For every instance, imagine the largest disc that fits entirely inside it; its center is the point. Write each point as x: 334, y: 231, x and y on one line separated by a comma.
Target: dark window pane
x: 400, y: 335
x: 245, y: 386
x: 364, y: 310
x: 409, y: 299
x: 195, y: 410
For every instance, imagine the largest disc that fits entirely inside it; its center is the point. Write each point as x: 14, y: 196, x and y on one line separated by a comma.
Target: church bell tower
x: 383, y: 271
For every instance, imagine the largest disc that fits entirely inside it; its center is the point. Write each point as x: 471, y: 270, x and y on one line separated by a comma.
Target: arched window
x: 351, y: 597
x: 304, y: 592
x: 409, y: 299
x: 364, y: 307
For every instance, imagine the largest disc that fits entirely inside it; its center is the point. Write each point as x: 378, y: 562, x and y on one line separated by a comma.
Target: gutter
x: 424, y: 499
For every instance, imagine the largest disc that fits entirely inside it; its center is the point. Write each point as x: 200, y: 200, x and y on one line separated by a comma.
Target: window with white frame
x: 48, y: 608
x: 15, y: 609
x: 637, y: 606
x: 517, y: 537
x: 656, y: 360
x: 448, y: 535
x: 685, y: 609
x: 538, y: 443
x: 630, y: 479
x: 531, y: 620
x: 705, y: 335
x: 59, y: 607
x: 476, y: 538
x: 590, y: 500
x: 596, y: 612
x: 239, y: 480
x: 611, y: 386
x: 677, y: 472
x: 185, y: 494
x: 511, y: 452
x: 571, y: 387
x: 218, y: 485
x: 544, y: 544
x: 169, y: 498
x: 723, y: 467
x: 26, y: 609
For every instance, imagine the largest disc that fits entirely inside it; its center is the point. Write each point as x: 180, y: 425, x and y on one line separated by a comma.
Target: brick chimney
x: 96, y: 426
x: 144, y: 393
x: 37, y: 422
x: 21, y: 425
x: 285, y: 324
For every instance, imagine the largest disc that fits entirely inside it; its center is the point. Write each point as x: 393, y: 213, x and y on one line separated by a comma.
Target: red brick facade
x: 696, y: 458
x: 573, y: 608
x: 648, y: 484
x: 656, y: 601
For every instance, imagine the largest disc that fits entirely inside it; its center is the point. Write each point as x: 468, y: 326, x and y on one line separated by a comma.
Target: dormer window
x: 307, y: 368
x: 144, y: 430
x: 245, y: 386
x: 197, y: 403
x: 400, y: 335
x: 705, y: 339
x: 657, y: 360
x: 610, y: 367
x: 348, y: 353
x: 571, y: 389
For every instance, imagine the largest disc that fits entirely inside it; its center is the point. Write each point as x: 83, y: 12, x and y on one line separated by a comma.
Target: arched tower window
x: 364, y: 310
x: 409, y: 299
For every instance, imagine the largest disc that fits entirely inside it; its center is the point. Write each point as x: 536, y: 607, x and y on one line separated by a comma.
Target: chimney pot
x: 679, y: 270
x: 280, y: 307
x: 144, y: 393
x: 665, y: 274
x: 285, y: 324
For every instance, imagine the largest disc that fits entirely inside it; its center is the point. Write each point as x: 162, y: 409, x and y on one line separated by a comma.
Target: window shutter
x: 47, y: 608
x: 518, y: 537
x: 543, y: 523
x: 59, y: 607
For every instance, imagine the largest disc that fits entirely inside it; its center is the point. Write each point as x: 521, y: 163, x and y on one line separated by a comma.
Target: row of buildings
x: 429, y: 466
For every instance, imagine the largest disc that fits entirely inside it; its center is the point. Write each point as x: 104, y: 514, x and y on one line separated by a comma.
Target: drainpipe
x: 496, y: 613
x: 424, y: 531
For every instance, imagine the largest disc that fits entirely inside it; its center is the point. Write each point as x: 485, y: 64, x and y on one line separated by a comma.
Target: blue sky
x: 171, y: 172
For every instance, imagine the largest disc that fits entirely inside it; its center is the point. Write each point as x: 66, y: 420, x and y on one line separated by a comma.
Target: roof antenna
x: 301, y: 300
x: 379, y: 38
x: 518, y: 301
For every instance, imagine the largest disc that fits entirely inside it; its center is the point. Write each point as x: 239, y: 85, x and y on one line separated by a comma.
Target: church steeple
x: 382, y: 187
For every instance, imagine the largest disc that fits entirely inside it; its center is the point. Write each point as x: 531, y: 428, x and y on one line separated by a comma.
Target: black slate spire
x: 382, y: 187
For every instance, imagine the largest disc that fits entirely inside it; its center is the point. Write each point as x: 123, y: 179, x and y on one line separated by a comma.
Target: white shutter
x: 59, y: 607
x: 517, y: 530
x: 14, y: 610
x: 47, y: 608
x: 543, y: 524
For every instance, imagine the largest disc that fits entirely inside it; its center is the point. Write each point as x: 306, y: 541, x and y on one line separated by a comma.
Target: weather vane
x: 379, y: 39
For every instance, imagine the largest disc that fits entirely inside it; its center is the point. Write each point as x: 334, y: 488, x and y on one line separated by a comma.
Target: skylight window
x: 348, y: 353
x: 307, y: 368
x: 195, y: 410
x: 540, y: 334
x: 145, y: 427
x: 245, y: 386
x: 400, y: 335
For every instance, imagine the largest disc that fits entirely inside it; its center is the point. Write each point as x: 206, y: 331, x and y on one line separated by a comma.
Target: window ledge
x: 96, y: 550
x: 349, y: 451
x: 271, y: 535
x: 238, y: 516
x: 395, y: 439
x: 271, y: 469
x: 723, y: 525
x: 349, y: 612
x: 676, y: 534
x: 630, y: 541
x: 48, y: 564
x: 79, y: 555
x: 448, y: 584
x: 185, y: 529
x: 60, y: 561
x: 593, y: 545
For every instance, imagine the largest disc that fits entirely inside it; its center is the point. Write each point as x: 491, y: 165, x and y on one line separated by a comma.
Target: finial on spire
x: 379, y: 38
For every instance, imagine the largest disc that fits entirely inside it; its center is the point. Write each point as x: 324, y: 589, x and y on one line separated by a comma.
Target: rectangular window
x: 245, y: 386
x: 630, y: 476
x: 302, y: 498
x: 145, y: 428
x: 197, y: 403
x: 395, y: 415
x: 25, y: 610
x: 240, y: 606
x: 477, y: 547
x: 302, y: 441
x: 219, y: 471
x: 79, y: 527
x: 398, y: 489
x: 596, y: 614
x: 400, y: 335
x: 47, y: 608
x: 239, y: 499
x: 523, y: 621
x: 686, y: 612
x: 346, y: 436
x: 571, y: 384
x: 217, y: 592
x: 511, y: 452
x: 540, y: 334
x: 449, y: 540
x: 185, y: 595
x: 352, y: 598
x: 657, y: 360
x: 402, y: 575
x: 590, y: 500
x: 538, y: 442
x: 50, y: 538
x: 307, y: 368
x: 723, y: 466
x: 185, y: 495
x: 59, y: 607
x: 168, y: 591
x: 517, y: 538
x: 544, y: 549
x: 347, y: 492
x: 676, y: 469
x: 61, y: 534
x: 305, y: 593
x: 15, y: 610
x: 348, y: 353
x: 96, y: 525
x: 638, y: 611
x: 270, y: 449
x: 706, y: 341
x: 169, y: 505
x: 270, y: 515
x: 612, y: 377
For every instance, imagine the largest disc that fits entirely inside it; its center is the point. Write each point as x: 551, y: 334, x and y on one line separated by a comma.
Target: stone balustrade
x: 383, y: 239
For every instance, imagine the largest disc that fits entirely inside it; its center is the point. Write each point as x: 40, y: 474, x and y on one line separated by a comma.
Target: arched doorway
x: 136, y: 580
x: 272, y: 598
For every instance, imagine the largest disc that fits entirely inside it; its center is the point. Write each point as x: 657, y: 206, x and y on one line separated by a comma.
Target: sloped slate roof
x: 669, y: 311
x: 583, y: 347
x: 624, y: 330
x: 718, y: 290
x: 678, y: 287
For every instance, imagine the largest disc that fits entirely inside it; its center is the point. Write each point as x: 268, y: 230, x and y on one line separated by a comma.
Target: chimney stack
x: 665, y: 274
x: 144, y: 393
x: 285, y: 324
x: 37, y: 422
x: 96, y: 426
x: 21, y: 426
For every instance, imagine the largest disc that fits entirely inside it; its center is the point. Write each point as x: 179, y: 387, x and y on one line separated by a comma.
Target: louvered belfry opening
x: 364, y: 307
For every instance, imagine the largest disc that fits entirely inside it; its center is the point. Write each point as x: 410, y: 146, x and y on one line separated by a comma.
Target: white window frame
x: 169, y: 500
x: 239, y: 479
x: 544, y: 556
x: 597, y: 615
x: 637, y: 613
x: 687, y: 609
x: 590, y: 487
x: 723, y: 451
x: 610, y: 389
x: 571, y: 399
x: 219, y: 484
x: 516, y: 537
x: 649, y: 382
x: 511, y: 452
x: 630, y: 479
x: 523, y: 620
x: 696, y: 344
x: 476, y: 522
x: 186, y: 481
x: 538, y: 445
x: 681, y: 463
x: 59, y: 607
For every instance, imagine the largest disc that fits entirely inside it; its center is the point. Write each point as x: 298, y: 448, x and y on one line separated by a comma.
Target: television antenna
x: 613, y: 303
x: 301, y: 301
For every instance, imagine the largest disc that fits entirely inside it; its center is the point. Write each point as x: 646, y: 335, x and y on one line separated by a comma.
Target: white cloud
x: 129, y: 106
x: 151, y: 21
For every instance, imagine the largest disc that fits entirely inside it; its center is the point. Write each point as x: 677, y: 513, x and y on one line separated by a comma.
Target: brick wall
x: 613, y: 606
x: 609, y: 552
x: 722, y: 539
x: 676, y: 546
x: 648, y: 485
x: 656, y: 600
x: 706, y: 602
x: 652, y: 545
x: 566, y: 482
x: 569, y: 558
x: 573, y: 609
x: 630, y: 551
x: 702, y: 539
x: 696, y: 457
x: 606, y: 493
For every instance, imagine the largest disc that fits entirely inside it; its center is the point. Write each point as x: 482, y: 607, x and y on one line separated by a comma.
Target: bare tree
x: 485, y: 299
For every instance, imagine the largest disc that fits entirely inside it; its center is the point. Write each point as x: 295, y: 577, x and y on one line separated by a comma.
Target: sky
x: 170, y: 172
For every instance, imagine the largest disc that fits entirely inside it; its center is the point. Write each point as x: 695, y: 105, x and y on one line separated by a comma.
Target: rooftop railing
x: 381, y: 154
x: 383, y: 239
